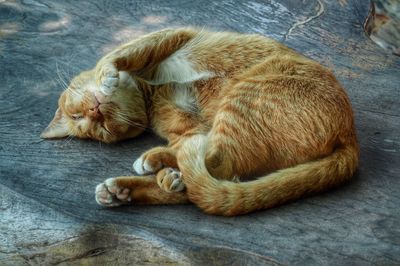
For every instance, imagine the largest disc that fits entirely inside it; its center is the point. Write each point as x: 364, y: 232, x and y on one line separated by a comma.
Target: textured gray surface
x: 48, y: 214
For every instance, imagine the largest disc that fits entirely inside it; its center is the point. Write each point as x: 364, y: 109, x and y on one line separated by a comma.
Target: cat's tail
x: 228, y: 198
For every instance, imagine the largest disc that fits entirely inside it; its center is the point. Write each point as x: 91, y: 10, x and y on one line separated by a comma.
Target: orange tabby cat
x: 230, y: 105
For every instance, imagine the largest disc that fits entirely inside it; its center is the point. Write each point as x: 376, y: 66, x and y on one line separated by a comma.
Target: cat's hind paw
x: 109, y: 194
x: 170, y: 180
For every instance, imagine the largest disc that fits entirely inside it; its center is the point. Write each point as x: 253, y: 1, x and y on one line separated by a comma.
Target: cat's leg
x: 170, y: 180
x: 154, y: 160
x: 218, y: 162
x: 161, y: 160
x: 135, y: 190
x: 139, y: 55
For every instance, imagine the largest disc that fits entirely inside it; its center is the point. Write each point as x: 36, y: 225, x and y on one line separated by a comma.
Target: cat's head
x: 83, y: 111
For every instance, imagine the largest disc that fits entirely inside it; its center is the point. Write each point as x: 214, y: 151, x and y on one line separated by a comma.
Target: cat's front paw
x: 170, y: 180
x: 109, y: 194
x: 107, y: 77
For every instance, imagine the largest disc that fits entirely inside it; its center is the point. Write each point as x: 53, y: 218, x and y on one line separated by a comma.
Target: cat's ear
x: 57, y: 127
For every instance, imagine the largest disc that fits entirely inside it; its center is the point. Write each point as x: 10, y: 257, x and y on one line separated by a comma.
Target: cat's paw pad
x: 107, y: 77
x: 109, y: 194
x: 145, y: 165
x: 170, y: 180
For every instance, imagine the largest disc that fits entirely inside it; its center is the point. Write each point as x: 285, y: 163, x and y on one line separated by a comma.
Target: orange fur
x: 230, y: 105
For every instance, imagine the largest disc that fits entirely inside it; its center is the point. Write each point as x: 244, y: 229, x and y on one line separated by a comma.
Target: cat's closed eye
x: 76, y: 116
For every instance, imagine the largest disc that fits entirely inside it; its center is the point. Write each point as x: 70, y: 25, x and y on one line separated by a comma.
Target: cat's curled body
x: 230, y: 105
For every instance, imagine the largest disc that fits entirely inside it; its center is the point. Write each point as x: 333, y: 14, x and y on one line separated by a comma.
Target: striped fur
x: 231, y: 106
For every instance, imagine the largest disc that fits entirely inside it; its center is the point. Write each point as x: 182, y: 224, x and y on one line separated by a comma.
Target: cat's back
x: 229, y: 52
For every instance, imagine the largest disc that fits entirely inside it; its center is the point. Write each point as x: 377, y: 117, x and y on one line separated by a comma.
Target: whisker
x: 68, y: 139
x: 124, y: 118
x: 78, y: 93
x: 69, y: 76
x: 100, y: 145
x: 106, y: 130
x: 63, y: 82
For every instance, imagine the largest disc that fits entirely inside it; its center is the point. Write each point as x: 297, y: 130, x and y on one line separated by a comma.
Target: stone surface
x: 48, y: 214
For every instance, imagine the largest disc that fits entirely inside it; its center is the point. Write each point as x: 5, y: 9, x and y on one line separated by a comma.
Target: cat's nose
x: 97, y: 100
x: 94, y: 112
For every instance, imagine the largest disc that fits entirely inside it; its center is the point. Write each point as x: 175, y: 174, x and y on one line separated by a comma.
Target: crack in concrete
x: 320, y: 11
x: 90, y: 253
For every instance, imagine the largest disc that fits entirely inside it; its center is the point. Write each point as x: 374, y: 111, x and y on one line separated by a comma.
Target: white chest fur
x: 180, y: 72
x: 177, y: 68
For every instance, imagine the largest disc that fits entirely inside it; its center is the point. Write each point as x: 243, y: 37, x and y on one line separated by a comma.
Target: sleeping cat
x: 230, y: 106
